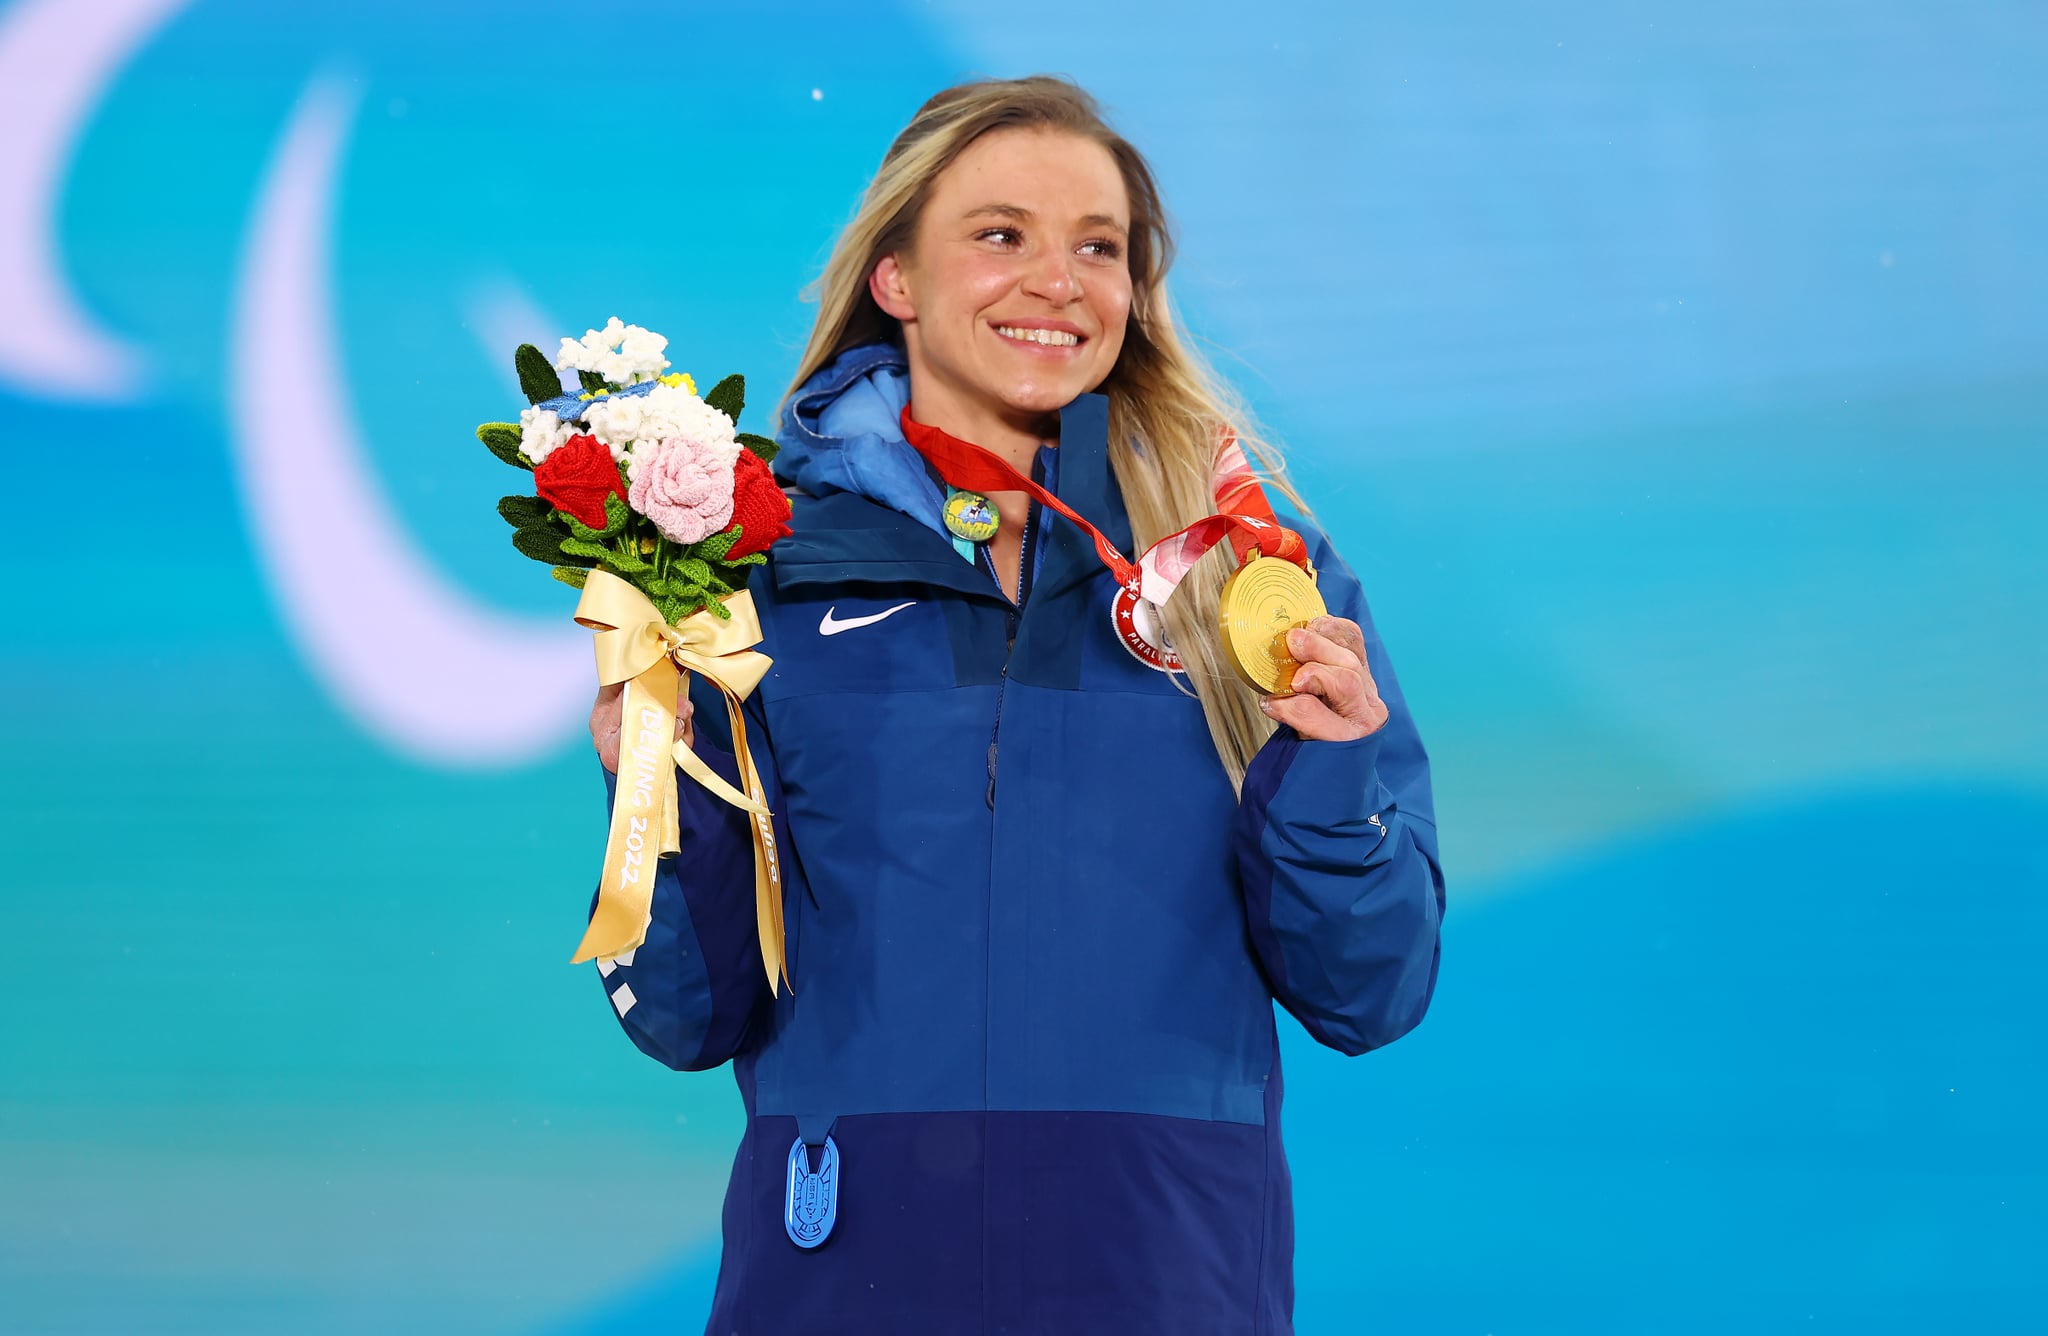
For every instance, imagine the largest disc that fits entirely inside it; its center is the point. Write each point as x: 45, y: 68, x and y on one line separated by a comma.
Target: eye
x: 1108, y: 249
x: 985, y: 234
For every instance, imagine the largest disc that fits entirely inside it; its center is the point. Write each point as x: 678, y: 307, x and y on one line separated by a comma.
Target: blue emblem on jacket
x: 1037, y: 1015
x: 811, y: 1204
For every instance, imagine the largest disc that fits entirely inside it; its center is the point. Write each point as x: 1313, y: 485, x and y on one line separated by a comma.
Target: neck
x: 1013, y: 438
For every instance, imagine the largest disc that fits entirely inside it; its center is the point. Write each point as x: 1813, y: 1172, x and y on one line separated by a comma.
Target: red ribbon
x: 1250, y: 523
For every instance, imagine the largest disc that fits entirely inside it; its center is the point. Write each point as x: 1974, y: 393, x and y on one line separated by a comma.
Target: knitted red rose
x: 577, y: 476
x: 758, y: 506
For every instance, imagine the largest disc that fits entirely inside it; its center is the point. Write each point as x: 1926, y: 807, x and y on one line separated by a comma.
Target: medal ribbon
x: 1158, y: 572
x: 1237, y: 489
x: 637, y: 646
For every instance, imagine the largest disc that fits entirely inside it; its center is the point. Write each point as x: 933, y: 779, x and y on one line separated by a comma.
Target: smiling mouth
x: 1045, y: 338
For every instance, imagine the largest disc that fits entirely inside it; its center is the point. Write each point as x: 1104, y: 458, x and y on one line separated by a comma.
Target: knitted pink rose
x: 685, y: 488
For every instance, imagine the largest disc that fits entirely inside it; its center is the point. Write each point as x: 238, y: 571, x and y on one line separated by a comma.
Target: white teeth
x: 1052, y: 338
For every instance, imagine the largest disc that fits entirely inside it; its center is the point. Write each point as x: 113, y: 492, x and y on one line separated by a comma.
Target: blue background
x: 1675, y: 376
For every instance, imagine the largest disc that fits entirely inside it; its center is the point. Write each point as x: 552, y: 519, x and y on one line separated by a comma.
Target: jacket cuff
x: 1329, y: 773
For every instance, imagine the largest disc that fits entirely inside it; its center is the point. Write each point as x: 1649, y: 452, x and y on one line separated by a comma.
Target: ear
x: 889, y: 285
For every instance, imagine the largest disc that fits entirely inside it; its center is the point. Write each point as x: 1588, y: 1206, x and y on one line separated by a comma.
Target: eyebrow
x: 1022, y: 214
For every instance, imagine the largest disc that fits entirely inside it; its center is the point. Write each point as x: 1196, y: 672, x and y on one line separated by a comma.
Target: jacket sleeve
x: 695, y: 992
x: 1337, y: 852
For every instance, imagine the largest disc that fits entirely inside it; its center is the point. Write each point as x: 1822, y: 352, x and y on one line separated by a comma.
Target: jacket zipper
x: 1012, y: 613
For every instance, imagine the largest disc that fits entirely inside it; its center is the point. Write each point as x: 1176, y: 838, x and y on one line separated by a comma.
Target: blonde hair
x: 1169, y: 412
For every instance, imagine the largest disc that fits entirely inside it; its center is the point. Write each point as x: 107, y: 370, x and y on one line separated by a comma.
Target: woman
x: 1040, y: 896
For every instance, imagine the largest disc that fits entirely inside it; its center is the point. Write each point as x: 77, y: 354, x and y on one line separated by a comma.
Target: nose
x: 1053, y: 278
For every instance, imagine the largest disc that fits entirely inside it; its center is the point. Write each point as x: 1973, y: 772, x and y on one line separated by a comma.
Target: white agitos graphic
x: 829, y: 626
x: 411, y: 657
x: 57, y: 58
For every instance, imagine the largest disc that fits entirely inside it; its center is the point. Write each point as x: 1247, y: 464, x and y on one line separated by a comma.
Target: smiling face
x: 1015, y: 294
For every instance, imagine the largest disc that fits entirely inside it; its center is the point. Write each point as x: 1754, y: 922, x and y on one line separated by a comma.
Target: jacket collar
x: 838, y: 433
x: 873, y: 513
x: 1087, y: 486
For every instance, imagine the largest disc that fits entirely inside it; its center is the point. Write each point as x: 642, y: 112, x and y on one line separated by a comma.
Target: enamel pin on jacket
x: 1028, y: 1077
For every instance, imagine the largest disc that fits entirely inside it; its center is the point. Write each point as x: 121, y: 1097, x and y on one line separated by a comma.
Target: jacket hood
x: 840, y: 433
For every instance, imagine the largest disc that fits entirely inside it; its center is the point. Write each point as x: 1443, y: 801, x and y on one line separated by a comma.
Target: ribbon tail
x: 695, y: 767
x: 643, y: 815
x: 768, y: 923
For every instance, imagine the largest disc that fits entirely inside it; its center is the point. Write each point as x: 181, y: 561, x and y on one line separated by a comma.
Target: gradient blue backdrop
x: 1675, y: 375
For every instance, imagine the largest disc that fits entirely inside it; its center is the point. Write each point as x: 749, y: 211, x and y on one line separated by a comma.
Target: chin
x: 1039, y: 399
x: 1042, y: 396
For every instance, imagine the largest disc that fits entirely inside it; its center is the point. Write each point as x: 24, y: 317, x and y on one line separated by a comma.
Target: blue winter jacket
x: 1034, y: 937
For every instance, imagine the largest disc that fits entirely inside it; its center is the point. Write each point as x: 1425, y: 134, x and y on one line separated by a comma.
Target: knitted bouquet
x: 637, y: 475
x: 649, y: 500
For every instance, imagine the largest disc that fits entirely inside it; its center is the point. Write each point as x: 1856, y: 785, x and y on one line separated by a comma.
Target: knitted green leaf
x: 729, y: 396
x: 693, y: 569
x: 734, y: 573
x: 707, y: 590
x: 615, y: 516
x: 502, y: 440
x: 596, y: 553
x: 691, y: 599
x: 672, y: 609
x: 717, y: 545
x: 761, y: 446
x: 736, y: 570
x: 543, y: 542
x: 537, y: 378
x: 521, y: 511
x: 570, y: 575
x: 593, y: 383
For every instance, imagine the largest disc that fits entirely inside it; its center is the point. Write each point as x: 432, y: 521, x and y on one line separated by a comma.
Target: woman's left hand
x: 1335, y: 698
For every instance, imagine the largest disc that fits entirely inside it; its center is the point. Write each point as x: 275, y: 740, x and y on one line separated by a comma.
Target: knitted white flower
x: 541, y: 433
x: 623, y: 354
x: 666, y: 412
x: 617, y: 421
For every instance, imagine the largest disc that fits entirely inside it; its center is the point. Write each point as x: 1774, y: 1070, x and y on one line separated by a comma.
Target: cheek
x: 1112, y: 315
x: 975, y: 283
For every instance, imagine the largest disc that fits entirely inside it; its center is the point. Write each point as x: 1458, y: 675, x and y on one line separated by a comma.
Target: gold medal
x: 1263, y: 600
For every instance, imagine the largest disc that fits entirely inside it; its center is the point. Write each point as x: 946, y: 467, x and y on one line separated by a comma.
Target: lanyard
x: 1250, y: 524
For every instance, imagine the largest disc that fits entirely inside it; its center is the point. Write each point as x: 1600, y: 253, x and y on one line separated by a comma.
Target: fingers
x: 686, y: 710
x: 1330, y: 652
x: 1344, y: 690
x: 1309, y: 645
x: 606, y: 722
x: 1333, y: 694
x: 1301, y: 713
x: 1342, y: 630
x: 1327, y: 669
x: 1311, y: 717
x: 604, y: 725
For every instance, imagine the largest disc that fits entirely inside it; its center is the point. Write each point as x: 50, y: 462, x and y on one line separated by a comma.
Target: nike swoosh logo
x: 828, y: 626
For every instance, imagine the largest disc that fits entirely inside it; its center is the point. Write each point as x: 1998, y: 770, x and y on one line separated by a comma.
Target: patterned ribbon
x: 636, y: 646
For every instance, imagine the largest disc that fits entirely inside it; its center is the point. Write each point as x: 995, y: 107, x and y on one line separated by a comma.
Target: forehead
x: 1054, y: 174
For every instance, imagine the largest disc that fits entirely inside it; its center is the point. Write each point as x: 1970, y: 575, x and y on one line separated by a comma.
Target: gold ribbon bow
x: 637, y: 646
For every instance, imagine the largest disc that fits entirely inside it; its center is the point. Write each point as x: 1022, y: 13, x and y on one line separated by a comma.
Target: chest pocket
x: 859, y: 638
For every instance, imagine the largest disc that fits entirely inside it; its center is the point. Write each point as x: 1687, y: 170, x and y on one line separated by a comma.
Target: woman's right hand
x: 604, y: 722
